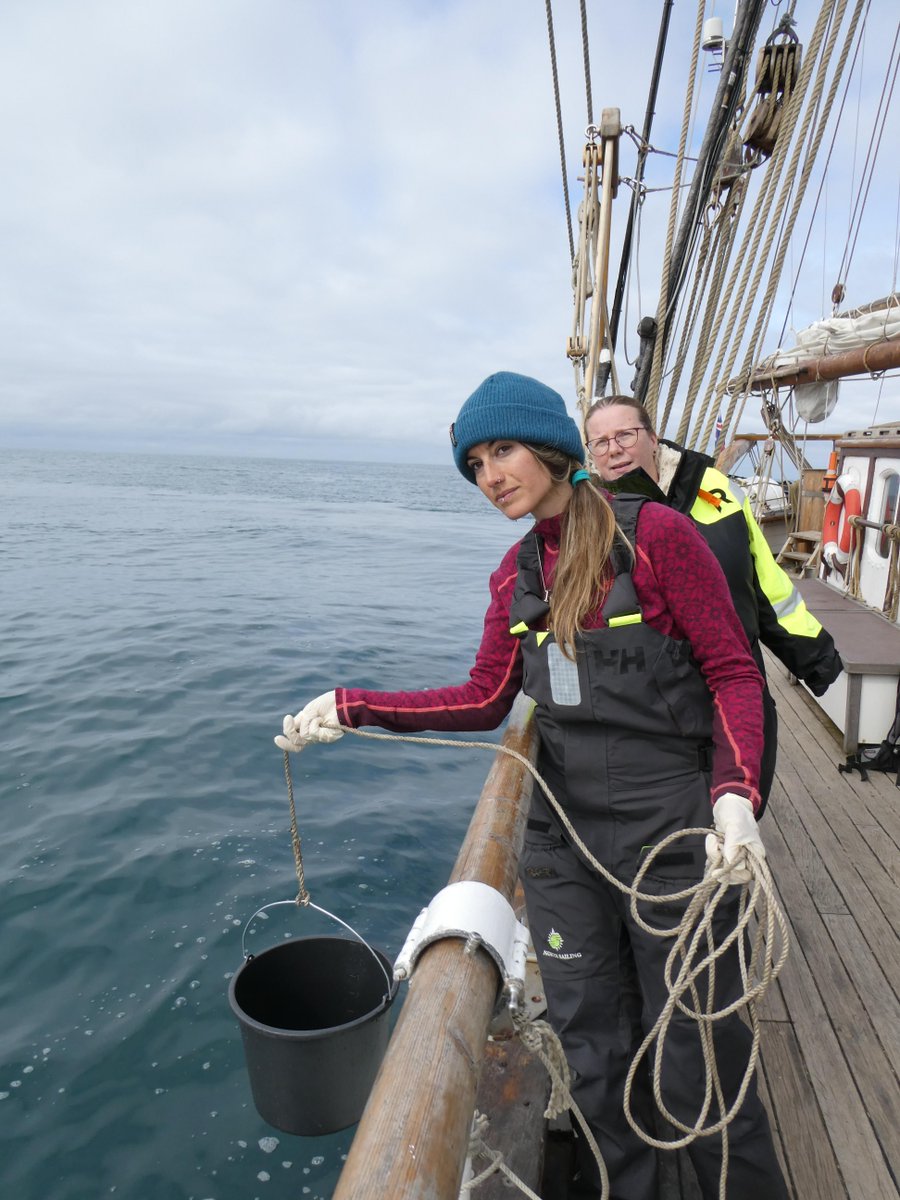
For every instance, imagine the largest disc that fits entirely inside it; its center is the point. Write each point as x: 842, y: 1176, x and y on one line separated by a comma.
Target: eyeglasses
x: 624, y: 439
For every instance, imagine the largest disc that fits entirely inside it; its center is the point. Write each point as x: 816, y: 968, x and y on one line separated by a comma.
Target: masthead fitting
x: 713, y: 35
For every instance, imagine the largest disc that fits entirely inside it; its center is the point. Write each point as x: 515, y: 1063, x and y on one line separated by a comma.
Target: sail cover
x: 834, y: 335
x: 815, y: 401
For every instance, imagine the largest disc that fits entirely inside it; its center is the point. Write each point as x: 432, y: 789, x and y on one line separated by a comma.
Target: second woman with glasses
x: 630, y: 458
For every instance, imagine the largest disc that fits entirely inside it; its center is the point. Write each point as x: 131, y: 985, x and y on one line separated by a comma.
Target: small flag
x: 720, y: 433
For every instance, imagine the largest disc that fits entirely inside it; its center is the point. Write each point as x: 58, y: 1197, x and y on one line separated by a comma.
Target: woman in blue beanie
x: 648, y: 705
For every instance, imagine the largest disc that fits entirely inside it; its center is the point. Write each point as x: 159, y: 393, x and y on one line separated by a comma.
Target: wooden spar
x: 412, y: 1141
x: 610, y: 132
x: 764, y: 437
x: 878, y: 356
x: 891, y: 301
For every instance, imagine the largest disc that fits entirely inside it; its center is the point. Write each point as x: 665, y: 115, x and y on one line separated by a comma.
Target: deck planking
x: 831, y: 1037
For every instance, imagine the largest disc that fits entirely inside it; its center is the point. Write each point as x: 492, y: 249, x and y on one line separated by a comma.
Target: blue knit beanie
x: 518, y: 407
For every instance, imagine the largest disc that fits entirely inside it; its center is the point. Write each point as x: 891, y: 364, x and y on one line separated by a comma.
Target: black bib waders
x: 626, y: 749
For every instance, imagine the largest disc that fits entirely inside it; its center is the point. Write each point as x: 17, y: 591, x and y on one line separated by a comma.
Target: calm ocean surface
x: 162, y: 614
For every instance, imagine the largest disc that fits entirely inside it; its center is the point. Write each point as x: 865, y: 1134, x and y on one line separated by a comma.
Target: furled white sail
x: 837, y: 335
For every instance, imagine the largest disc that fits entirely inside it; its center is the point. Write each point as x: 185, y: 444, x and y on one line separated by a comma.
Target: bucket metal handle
x: 326, y: 913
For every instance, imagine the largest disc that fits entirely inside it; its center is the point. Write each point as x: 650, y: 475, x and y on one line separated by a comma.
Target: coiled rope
x: 892, y: 592
x: 693, y: 953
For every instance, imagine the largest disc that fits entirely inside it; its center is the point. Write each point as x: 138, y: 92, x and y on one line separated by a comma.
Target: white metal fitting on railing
x: 482, y: 916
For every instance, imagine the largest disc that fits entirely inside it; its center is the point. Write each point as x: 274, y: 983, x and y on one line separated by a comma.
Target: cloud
x: 254, y: 225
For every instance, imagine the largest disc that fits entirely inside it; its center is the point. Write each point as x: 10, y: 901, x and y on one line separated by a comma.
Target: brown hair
x: 627, y: 402
x: 588, y: 529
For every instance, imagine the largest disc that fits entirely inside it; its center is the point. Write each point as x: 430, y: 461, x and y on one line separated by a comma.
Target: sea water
x: 161, y: 616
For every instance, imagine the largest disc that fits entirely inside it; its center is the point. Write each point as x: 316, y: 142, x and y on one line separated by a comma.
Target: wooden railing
x: 412, y: 1140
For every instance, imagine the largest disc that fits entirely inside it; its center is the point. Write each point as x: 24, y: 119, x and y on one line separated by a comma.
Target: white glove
x: 726, y: 860
x: 316, y: 723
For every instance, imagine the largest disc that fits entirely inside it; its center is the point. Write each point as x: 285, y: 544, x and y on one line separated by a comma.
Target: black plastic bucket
x: 314, y: 1021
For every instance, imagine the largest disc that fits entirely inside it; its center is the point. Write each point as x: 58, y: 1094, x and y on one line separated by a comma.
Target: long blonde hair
x: 587, y: 534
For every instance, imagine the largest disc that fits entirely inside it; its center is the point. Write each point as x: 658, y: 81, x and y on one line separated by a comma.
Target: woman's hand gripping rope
x: 317, y: 722
x: 726, y: 856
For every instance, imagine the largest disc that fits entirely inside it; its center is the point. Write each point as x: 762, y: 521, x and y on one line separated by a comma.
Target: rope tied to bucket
x: 303, y: 898
x: 302, y: 894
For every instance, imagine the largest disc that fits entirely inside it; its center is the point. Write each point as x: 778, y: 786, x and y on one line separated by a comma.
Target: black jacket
x: 770, y: 608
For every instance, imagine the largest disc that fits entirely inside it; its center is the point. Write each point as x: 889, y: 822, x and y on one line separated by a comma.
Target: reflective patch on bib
x: 564, y: 685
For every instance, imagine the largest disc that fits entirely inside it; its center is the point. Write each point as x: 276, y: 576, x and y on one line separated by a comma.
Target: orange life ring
x: 837, y: 532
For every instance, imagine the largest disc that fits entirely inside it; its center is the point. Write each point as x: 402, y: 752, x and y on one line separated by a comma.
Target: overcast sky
x: 287, y: 227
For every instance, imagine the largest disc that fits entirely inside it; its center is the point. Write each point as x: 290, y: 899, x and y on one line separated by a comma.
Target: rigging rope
x: 478, y: 1148
x: 727, y: 218
x: 587, y: 63
x: 558, y: 105
x: 871, y: 156
x: 707, y: 256
x: 703, y: 416
x: 747, y: 18
x: 739, y: 398
x: 644, y: 147
x: 861, y: 44
x: 713, y: 314
x: 823, y: 182
x: 636, y: 259
x: 651, y: 400
x: 559, y: 129
x: 755, y: 258
x: 747, y: 255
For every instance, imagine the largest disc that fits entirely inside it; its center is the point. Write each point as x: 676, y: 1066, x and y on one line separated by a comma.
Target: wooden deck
x: 831, y: 1042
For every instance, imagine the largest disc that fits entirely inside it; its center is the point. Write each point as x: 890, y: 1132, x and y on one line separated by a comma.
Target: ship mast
x: 589, y: 347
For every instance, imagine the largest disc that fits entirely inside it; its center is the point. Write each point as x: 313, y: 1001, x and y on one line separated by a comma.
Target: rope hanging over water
x: 302, y: 893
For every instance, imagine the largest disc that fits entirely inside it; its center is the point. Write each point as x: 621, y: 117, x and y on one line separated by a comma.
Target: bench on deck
x: 862, y: 702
